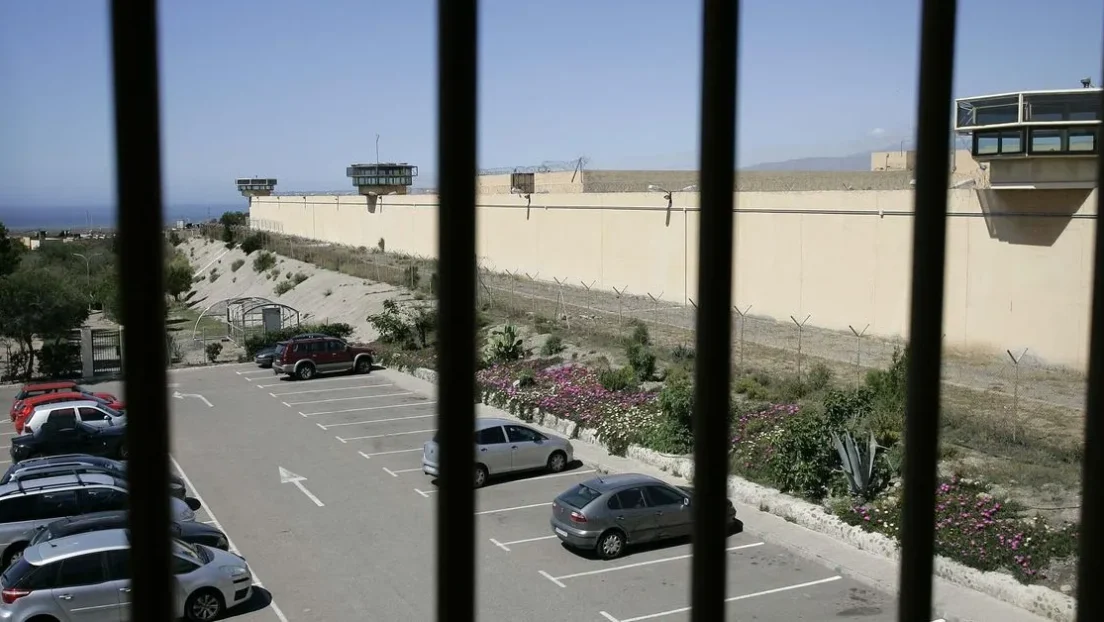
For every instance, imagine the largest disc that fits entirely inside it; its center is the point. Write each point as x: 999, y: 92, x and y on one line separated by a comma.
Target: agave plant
x: 858, y: 466
x: 506, y: 345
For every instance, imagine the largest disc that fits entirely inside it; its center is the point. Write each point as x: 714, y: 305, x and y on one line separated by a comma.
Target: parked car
x: 64, y: 386
x: 305, y: 358
x: 505, y: 446
x: 87, y: 577
x: 28, y: 504
x: 25, y: 407
x: 86, y: 411
x: 70, y: 437
x: 80, y: 463
x: 264, y: 357
x: 610, y: 512
x: 192, y: 532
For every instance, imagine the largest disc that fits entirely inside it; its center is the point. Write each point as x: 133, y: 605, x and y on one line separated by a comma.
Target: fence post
x: 859, y: 334
x: 561, y: 305
x: 1016, y: 392
x: 620, y: 293
x: 655, y: 308
x: 88, y: 354
x: 800, y: 329
x: 694, y: 324
x: 536, y: 300
x: 743, y: 323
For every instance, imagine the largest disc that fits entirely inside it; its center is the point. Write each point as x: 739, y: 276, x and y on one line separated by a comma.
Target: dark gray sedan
x: 610, y: 512
x: 264, y: 357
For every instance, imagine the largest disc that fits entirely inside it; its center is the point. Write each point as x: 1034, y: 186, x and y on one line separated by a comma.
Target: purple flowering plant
x: 754, y: 437
x: 975, y: 529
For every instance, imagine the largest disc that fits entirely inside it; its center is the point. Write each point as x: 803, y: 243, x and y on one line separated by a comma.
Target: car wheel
x: 480, y: 475
x: 204, y: 605
x: 611, y: 544
x: 306, y: 372
x: 363, y: 365
x: 13, y: 554
x: 557, y: 461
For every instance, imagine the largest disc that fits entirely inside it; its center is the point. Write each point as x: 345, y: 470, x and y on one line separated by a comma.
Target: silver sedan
x: 505, y: 446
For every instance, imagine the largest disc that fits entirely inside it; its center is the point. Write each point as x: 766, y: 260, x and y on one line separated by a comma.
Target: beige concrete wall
x: 841, y: 256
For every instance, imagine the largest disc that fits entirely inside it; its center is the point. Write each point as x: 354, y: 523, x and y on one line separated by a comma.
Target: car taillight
x: 10, y: 595
x: 576, y: 517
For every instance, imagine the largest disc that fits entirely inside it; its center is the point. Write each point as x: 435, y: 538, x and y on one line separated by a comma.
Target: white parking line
x: 312, y: 382
x: 345, y: 399
x: 513, y: 509
x: 356, y: 388
x: 356, y: 410
x: 338, y: 425
x: 730, y: 599
x: 424, y: 493
x: 361, y: 438
x: 505, y: 546
x: 253, y: 372
x: 7, y: 433
x: 397, y: 472
x: 559, y: 580
x: 388, y: 453
x: 5, y: 461
x: 230, y: 543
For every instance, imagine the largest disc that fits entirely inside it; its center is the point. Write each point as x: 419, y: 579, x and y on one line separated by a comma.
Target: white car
x: 88, y: 412
x: 506, y: 446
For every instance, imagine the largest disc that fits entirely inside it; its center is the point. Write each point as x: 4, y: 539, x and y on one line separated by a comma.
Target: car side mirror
x: 686, y: 501
x: 193, y: 504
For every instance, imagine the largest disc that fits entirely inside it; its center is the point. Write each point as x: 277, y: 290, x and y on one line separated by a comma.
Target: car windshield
x: 190, y: 552
x: 44, y: 534
x: 580, y: 496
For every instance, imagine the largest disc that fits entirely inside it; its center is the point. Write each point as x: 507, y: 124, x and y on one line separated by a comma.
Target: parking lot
x: 319, y: 486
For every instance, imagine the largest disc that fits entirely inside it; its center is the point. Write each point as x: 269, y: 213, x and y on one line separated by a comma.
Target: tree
x: 10, y: 252
x: 178, y: 276
x: 39, y: 303
x: 233, y: 219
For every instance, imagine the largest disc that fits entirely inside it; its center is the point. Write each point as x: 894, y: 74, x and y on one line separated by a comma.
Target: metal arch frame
x: 228, y: 302
x: 298, y: 315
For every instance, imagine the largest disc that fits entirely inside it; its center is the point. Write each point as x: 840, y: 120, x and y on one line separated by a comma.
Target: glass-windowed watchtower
x: 1034, y: 140
x: 255, y: 187
x: 382, y: 178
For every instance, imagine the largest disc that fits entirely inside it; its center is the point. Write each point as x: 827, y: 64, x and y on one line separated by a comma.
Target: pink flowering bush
x: 754, y: 438
x: 973, y: 528
x: 572, y: 392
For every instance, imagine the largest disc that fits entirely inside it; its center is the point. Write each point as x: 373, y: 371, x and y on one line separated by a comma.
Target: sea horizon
x: 99, y: 216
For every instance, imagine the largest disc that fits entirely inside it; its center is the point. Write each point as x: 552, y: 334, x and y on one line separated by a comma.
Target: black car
x: 264, y: 356
x: 192, y: 532
x: 81, y: 463
x: 70, y: 437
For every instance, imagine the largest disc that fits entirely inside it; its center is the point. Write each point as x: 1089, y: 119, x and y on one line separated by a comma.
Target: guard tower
x: 253, y: 187
x: 374, y: 180
x: 1034, y: 140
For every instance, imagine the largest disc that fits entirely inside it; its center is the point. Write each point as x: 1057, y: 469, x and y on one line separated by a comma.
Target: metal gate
x: 107, y: 352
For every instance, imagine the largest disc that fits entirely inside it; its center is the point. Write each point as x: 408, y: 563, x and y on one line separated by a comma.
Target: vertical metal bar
x: 457, y: 60
x: 714, y: 322
x: 1090, y: 599
x: 138, y: 185
x: 929, y: 239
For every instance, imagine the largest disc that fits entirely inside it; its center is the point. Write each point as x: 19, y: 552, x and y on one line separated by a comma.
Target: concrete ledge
x: 1034, y: 598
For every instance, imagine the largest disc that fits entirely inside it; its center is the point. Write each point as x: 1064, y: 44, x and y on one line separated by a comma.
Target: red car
x: 27, y: 406
x: 44, y: 388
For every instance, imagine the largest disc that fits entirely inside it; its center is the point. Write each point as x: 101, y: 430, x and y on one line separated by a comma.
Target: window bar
x: 1090, y: 599
x: 929, y: 239
x: 713, y: 336
x: 456, y: 154
x: 138, y: 186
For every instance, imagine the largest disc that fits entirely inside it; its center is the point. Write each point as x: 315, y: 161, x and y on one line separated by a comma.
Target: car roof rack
x: 23, y: 488
x: 60, y: 470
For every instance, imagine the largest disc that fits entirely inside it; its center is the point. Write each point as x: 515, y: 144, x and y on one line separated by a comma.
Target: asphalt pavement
x: 319, y: 486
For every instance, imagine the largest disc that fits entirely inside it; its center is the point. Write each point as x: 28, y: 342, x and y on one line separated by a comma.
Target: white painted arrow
x: 287, y: 477
x: 178, y: 395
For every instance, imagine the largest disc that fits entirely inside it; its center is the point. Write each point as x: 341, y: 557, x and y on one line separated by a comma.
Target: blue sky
x: 298, y: 90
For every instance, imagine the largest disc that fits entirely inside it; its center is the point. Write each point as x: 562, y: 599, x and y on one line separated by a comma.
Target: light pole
x: 87, y: 272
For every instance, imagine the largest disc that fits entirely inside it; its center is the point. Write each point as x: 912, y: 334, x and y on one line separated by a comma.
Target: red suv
x: 43, y: 388
x: 305, y: 358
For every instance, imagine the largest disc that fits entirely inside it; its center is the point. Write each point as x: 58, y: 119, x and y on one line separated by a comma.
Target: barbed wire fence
x: 1025, y: 391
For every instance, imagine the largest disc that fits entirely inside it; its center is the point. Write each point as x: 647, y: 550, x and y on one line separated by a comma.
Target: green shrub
x: 213, y: 276
x: 213, y: 350
x: 284, y: 287
x: 299, y: 278
x: 668, y: 437
x: 526, y: 378
x: 273, y: 274
x: 621, y: 379
x: 552, y: 346
x: 253, y: 343
x: 820, y: 377
x: 682, y: 354
x: 640, y: 333
x: 59, y: 359
x: 751, y: 387
x: 252, y: 242
x: 238, y: 263
x: 676, y: 401
x: 888, y: 391
x: 174, y: 238
x: 642, y: 360
x: 263, y: 261
x: 506, y: 345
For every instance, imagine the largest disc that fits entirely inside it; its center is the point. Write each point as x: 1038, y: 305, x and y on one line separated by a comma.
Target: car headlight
x: 236, y: 572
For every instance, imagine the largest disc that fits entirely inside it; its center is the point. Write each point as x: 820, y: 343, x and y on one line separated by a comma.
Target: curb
x: 1033, y: 598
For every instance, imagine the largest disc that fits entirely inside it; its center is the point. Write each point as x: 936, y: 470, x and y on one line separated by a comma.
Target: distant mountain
x: 854, y: 162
